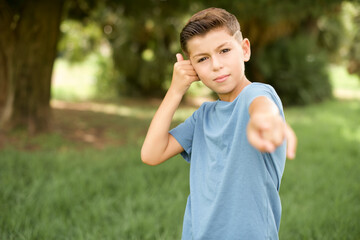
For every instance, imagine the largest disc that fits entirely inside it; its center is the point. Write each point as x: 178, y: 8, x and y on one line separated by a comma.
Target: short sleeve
x: 275, y: 161
x: 261, y: 89
x: 184, y: 134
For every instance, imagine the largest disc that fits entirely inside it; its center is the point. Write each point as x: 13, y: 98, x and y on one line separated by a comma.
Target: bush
x: 297, y: 69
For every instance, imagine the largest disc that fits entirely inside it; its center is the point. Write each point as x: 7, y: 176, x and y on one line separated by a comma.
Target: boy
x: 235, y: 145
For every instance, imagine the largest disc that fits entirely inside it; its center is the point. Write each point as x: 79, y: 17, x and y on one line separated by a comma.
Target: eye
x: 201, y: 59
x: 225, y: 50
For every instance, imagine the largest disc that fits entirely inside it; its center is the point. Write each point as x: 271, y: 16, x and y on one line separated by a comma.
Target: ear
x: 245, y: 44
x: 194, y: 68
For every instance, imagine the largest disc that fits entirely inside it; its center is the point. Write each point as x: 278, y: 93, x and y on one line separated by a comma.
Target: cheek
x: 201, y: 72
x: 203, y: 75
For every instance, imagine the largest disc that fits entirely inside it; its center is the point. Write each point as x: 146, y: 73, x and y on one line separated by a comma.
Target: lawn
x: 320, y: 190
x: 85, y: 179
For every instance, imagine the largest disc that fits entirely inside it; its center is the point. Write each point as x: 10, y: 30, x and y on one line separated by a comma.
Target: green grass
x: 341, y: 79
x: 320, y: 191
x: 90, y: 195
x: 54, y: 187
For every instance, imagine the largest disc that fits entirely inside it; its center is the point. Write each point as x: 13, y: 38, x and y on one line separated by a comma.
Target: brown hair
x: 204, y: 21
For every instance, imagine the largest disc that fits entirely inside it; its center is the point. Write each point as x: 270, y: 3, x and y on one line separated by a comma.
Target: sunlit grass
x: 74, y: 81
x: 320, y: 190
x: 345, y: 85
x: 341, y: 79
x: 141, y: 111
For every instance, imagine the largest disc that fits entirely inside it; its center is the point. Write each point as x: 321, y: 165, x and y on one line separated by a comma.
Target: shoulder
x: 206, y: 106
x: 256, y: 89
x: 199, y: 112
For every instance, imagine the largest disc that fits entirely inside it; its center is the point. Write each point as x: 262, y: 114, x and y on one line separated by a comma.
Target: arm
x: 159, y: 145
x: 267, y: 129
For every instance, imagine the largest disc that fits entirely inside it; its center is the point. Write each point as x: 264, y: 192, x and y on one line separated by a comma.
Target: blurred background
x: 81, y: 79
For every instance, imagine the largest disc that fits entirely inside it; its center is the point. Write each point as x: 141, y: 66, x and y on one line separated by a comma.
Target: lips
x: 221, y: 78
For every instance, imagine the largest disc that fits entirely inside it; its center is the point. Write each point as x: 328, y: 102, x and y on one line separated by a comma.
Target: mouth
x: 221, y: 78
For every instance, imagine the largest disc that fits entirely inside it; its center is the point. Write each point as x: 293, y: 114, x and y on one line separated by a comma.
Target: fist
x: 268, y: 131
x: 184, y: 75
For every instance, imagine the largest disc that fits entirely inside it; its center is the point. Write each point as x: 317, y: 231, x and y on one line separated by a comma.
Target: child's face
x: 218, y: 59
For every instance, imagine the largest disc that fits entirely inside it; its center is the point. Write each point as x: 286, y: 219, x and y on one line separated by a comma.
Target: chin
x: 223, y: 91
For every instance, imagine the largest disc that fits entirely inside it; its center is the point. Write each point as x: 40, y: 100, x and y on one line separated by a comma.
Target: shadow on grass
x: 92, y: 124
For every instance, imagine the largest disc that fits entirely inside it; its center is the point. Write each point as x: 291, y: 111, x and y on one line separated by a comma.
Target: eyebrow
x: 218, y: 47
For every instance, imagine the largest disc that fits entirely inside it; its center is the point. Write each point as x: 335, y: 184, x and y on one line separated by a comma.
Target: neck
x: 229, y: 97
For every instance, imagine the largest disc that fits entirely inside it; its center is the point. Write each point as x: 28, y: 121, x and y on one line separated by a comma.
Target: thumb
x: 291, y: 142
x: 179, y: 57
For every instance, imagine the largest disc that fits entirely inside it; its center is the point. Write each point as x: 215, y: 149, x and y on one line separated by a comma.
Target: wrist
x: 172, y: 91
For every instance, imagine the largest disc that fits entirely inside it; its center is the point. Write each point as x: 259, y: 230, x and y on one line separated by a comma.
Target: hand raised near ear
x: 184, y: 75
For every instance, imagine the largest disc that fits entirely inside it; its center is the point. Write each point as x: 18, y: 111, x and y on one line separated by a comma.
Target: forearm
x: 266, y: 126
x: 263, y: 105
x: 157, y: 137
x: 159, y: 145
x: 267, y: 129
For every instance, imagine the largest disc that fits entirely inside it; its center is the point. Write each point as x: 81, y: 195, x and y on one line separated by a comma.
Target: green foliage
x: 340, y: 34
x: 354, y: 51
x: 78, y: 40
x: 354, y: 54
x: 106, y: 87
x: 57, y: 191
x: 332, y: 36
x: 143, y: 47
x: 144, y: 40
x: 297, y: 69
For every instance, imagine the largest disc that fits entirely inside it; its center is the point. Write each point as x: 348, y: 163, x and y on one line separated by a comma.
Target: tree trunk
x: 28, y: 40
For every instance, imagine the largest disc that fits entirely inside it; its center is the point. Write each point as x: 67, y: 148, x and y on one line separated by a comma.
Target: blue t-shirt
x: 234, y: 188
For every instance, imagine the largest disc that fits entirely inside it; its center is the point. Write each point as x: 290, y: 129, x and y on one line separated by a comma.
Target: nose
x: 216, y: 63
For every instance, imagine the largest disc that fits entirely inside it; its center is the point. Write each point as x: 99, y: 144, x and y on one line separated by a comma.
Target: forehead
x: 210, y: 41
